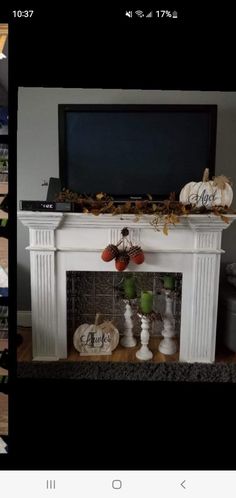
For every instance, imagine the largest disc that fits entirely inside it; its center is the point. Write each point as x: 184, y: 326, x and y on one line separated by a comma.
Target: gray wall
x: 38, y: 147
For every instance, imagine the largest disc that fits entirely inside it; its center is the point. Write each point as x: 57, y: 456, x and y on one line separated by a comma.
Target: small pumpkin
x: 208, y: 193
x: 94, y: 339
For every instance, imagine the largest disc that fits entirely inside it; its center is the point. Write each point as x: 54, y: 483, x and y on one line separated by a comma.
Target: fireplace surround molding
x: 61, y: 242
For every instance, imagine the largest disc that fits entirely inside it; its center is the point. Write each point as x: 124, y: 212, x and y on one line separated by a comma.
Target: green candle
x: 129, y: 287
x: 146, y: 301
x: 169, y: 282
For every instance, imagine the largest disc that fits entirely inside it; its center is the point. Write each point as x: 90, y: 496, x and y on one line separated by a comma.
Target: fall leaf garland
x: 164, y: 213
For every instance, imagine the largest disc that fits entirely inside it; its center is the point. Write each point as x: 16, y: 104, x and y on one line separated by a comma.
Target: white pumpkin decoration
x: 94, y: 339
x: 208, y: 193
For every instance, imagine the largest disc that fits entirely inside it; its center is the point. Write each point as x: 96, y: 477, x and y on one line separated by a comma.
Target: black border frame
x: 64, y: 108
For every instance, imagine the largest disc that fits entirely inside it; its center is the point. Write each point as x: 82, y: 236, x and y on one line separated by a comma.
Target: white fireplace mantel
x: 61, y: 242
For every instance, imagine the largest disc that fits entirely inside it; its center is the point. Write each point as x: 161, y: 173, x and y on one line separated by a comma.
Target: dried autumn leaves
x: 164, y: 213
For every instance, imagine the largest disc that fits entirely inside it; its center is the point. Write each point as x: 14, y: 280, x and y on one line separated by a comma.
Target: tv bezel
x: 64, y: 108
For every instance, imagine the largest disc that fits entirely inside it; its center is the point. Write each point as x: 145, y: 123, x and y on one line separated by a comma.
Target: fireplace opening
x: 91, y: 293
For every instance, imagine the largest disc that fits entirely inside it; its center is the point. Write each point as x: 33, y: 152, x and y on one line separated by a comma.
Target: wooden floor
x: 4, y: 253
x: 3, y: 414
x: 120, y: 353
x: 3, y: 345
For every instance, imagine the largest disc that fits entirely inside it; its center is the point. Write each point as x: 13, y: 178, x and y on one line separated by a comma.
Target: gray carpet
x: 171, y: 372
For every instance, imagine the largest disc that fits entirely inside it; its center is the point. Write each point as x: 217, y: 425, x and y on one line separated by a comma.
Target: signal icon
x: 150, y: 14
x: 139, y: 13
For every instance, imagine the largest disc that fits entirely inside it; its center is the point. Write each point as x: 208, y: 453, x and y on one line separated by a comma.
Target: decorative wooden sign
x: 94, y: 339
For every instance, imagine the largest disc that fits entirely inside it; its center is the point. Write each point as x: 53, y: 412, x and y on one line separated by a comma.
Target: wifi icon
x: 139, y: 13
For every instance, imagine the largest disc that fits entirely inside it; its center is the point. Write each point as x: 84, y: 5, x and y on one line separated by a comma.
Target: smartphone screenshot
x: 117, y: 251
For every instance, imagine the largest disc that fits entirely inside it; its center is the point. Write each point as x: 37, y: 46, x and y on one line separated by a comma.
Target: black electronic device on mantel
x: 129, y: 151
x: 54, y: 189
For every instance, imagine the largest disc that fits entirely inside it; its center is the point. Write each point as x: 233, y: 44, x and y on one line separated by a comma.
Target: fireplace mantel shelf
x: 61, y: 242
x: 32, y: 219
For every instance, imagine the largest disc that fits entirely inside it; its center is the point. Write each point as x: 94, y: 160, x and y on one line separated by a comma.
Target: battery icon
x: 174, y: 14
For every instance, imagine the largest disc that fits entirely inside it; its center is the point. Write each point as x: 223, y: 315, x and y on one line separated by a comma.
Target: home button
x: 116, y: 484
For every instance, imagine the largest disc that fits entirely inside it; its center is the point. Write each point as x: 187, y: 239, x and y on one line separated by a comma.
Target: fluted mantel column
x: 43, y: 282
x: 200, y: 294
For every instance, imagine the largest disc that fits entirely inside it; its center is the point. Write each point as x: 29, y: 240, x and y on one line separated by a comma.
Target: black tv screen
x: 135, y: 150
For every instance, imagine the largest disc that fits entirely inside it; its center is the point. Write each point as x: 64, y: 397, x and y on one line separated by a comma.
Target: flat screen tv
x: 129, y: 151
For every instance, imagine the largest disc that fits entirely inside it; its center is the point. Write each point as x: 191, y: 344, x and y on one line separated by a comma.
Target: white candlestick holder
x: 144, y: 352
x: 128, y: 340
x: 168, y: 345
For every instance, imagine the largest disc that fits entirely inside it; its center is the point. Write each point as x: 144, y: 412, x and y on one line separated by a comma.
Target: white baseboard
x: 24, y: 319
